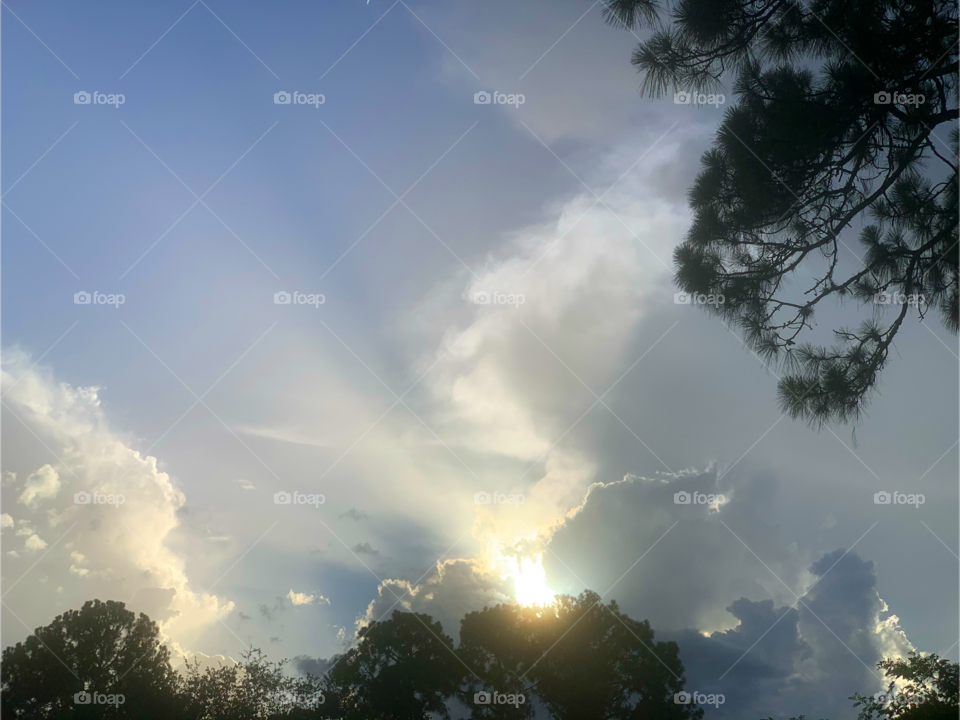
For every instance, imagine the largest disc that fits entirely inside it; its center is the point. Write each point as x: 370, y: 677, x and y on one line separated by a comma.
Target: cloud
x: 77, y: 567
x: 354, y: 515
x: 182, y: 656
x: 365, y: 549
x: 34, y: 542
x: 457, y: 588
x: 804, y: 659
x: 305, y: 665
x: 280, y: 605
x: 246, y: 485
x: 790, y: 634
x: 44, y: 484
x: 296, y: 436
x: 297, y: 598
x: 588, y: 272
x: 124, y: 548
x: 6, y: 521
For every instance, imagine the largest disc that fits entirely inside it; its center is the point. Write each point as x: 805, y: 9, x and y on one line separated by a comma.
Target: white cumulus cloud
x: 117, y: 552
x: 298, y: 598
x: 44, y: 484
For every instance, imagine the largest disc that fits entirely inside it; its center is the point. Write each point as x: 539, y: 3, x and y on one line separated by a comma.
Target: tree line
x: 576, y: 659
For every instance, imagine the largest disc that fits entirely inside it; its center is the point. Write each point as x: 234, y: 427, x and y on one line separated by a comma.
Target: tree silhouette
x: 929, y: 690
x: 839, y: 124
x: 580, y: 658
x: 577, y: 659
x: 500, y: 646
x: 253, y: 689
x: 402, y: 669
x: 103, y: 648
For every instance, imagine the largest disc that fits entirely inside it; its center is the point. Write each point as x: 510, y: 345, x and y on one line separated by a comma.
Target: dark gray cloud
x: 306, y: 665
x: 447, y: 595
x: 806, y: 659
x: 779, y: 654
x: 365, y: 549
x: 677, y: 565
x: 271, y: 612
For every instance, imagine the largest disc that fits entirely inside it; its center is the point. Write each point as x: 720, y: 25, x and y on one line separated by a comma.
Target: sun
x: 529, y: 580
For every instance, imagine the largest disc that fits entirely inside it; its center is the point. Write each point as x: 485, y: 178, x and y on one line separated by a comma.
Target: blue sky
x: 492, y: 397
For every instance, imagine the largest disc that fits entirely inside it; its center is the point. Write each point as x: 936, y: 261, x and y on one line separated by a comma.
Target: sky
x: 582, y: 397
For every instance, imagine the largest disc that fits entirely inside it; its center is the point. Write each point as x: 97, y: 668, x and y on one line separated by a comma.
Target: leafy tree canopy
x: 845, y: 118
x: 401, y: 669
x: 579, y: 658
x: 921, y: 687
x: 102, y: 648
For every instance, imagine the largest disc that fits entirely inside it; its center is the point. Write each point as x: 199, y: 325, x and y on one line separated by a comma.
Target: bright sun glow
x: 529, y: 580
